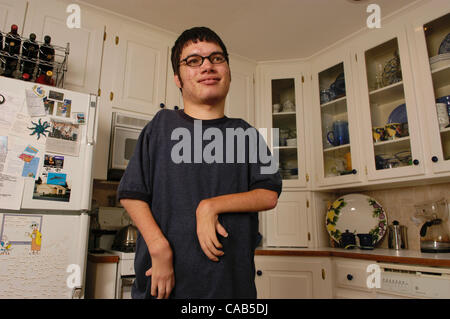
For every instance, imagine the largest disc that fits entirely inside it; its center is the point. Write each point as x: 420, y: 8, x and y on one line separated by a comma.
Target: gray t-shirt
x: 173, y: 190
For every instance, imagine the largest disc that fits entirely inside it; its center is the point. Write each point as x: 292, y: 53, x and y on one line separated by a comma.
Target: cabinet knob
x: 354, y: 171
x: 162, y: 105
x: 416, y: 162
x: 349, y: 277
x: 434, y: 159
x: 175, y: 107
x: 259, y: 273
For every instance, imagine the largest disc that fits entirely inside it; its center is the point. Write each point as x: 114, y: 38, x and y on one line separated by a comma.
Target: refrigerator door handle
x: 92, y: 123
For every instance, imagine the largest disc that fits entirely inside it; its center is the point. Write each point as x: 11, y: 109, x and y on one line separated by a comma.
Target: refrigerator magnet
x: 30, y: 168
x: 80, y: 118
x: 56, y: 178
x: 55, y: 95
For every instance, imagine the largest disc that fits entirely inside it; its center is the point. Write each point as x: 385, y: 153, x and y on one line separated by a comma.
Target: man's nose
x: 207, y: 65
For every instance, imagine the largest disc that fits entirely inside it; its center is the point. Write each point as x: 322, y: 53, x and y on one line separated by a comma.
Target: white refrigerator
x: 47, y: 138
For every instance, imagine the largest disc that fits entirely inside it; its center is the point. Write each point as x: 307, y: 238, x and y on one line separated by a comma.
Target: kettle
x: 125, y: 239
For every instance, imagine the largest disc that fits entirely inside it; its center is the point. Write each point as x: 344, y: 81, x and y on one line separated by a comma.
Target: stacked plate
x: 439, y: 60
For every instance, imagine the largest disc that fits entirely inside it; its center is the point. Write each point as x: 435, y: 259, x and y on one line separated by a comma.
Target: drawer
x: 127, y: 267
x: 352, y: 274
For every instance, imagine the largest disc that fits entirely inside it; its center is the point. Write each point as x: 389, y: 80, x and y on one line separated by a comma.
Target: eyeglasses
x: 196, y: 60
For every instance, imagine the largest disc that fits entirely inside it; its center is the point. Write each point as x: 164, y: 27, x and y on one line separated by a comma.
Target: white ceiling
x: 258, y: 29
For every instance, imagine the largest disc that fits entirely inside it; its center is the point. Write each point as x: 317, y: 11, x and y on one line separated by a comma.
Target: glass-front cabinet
x: 432, y: 38
x: 335, y: 129
x: 285, y: 125
x: 391, y: 138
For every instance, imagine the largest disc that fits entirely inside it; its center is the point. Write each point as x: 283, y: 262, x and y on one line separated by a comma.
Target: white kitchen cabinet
x: 240, y: 102
x: 336, y: 144
x: 381, y: 95
x: 12, y: 12
x: 432, y: 82
x: 281, y: 109
x: 49, y: 17
x: 281, y: 277
x: 136, y: 70
x: 350, y: 279
x: 287, y: 224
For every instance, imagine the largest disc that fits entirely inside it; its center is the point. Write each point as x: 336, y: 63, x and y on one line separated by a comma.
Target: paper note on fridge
x: 35, y: 103
x: 8, y: 110
x: 11, y: 189
x: 63, y: 138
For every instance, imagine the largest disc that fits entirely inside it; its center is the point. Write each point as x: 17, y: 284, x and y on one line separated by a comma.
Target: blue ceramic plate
x: 446, y: 100
x: 445, y: 45
x: 398, y: 115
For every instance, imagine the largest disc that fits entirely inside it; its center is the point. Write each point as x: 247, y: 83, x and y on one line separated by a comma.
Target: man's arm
x: 163, y: 278
x: 209, y: 209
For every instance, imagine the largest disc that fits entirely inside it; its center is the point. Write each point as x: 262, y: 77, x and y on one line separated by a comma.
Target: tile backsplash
x: 398, y: 204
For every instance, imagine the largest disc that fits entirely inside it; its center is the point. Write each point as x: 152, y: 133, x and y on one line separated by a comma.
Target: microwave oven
x: 125, y: 131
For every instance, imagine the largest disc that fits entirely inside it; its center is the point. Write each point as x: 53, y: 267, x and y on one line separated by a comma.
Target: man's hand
x: 163, y: 277
x: 207, y: 225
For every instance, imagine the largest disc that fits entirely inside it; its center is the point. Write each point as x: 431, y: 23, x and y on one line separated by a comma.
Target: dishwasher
x: 409, y: 281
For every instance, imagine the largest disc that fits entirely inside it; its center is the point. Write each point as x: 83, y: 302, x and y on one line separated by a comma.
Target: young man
x: 197, y: 217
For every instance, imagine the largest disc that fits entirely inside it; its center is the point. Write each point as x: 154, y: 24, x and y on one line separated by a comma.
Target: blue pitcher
x: 339, y: 134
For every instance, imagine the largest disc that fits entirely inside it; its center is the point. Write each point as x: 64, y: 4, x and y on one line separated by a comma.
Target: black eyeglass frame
x: 225, y: 56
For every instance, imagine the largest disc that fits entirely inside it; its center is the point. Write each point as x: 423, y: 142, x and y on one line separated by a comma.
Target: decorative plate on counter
x: 358, y: 213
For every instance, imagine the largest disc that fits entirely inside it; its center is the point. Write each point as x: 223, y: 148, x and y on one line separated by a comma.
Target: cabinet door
x: 139, y: 71
x: 283, y: 107
x: 12, y: 12
x: 390, y: 129
x: 287, y: 224
x: 49, y: 17
x: 292, y: 277
x: 240, y: 100
x: 429, y: 35
x: 336, y: 136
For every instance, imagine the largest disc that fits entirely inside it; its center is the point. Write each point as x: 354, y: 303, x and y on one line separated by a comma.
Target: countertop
x: 103, y: 258
x: 403, y: 256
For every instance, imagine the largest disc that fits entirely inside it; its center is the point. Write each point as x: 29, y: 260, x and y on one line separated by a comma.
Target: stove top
x: 123, y: 255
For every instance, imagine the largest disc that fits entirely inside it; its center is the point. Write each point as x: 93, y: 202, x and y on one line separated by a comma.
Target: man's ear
x: 178, y: 82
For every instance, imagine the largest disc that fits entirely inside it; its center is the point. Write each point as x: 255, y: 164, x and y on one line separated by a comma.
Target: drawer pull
x: 349, y: 277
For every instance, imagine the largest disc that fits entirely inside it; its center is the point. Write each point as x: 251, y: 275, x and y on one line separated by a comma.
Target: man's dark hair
x: 194, y: 35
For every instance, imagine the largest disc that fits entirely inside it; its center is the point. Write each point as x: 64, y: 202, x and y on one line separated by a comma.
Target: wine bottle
x: 30, y: 50
x: 46, y: 54
x: 11, y: 37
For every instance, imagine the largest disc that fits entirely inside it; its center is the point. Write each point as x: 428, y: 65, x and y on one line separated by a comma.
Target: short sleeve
x: 264, y: 169
x: 136, y: 183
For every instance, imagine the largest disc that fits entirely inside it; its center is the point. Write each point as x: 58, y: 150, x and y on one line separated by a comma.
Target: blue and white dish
x: 398, y: 115
x: 445, y: 45
x: 446, y: 100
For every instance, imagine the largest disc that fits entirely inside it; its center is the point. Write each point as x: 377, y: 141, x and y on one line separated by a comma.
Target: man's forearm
x: 252, y: 201
x: 142, y: 216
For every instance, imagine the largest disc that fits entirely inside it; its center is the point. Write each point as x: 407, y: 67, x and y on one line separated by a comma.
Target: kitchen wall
x: 399, y: 205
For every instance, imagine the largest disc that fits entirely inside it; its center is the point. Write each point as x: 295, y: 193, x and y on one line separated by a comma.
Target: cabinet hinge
x: 323, y: 274
x: 309, y: 236
x: 356, y: 57
x: 99, y: 92
x: 104, y: 36
x: 117, y: 40
x: 307, y: 203
x: 365, y: 169
x: 307, y: 177
x: 303, y: 79
x: 111, y: 96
